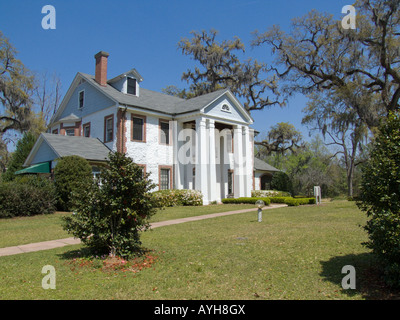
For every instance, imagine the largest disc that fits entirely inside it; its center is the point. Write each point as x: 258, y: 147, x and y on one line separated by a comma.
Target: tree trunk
x: 350, y: 175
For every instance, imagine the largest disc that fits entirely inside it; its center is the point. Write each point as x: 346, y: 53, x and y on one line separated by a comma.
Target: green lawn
x: 182, y: 212
x: 25, y: 230
x: 295, y: 253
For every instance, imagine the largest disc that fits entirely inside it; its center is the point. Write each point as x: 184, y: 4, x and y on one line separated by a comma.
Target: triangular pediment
x: 226, y: 106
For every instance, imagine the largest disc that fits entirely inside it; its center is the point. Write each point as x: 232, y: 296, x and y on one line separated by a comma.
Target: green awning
x: 36, y: 168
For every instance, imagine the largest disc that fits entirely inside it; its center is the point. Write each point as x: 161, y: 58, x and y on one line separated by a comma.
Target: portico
x: 214, y: 156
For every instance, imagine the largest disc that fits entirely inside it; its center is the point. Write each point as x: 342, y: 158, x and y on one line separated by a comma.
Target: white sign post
x: 317, y: 194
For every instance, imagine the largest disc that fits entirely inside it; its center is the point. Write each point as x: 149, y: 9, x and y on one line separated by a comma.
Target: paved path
x: 46, y: 245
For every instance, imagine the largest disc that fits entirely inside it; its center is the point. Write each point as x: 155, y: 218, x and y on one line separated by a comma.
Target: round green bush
x: 72, y: 175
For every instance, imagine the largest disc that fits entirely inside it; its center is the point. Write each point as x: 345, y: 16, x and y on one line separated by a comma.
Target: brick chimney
x: 101, y: 68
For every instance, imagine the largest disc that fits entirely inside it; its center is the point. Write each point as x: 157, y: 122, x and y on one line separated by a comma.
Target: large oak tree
x: 219, y: 66
x: 16, y: 85
x: 318, y: 54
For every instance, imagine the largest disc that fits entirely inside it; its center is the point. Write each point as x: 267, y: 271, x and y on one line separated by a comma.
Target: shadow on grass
x: 369, y: 280
x: 74, y: 254
x: 87, y: 253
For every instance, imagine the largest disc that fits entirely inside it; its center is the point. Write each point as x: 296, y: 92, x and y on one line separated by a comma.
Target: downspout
x: 121, y: 129
x: 123, y: 142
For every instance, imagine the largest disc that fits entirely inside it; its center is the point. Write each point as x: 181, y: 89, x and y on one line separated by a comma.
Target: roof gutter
x: 125, y: 106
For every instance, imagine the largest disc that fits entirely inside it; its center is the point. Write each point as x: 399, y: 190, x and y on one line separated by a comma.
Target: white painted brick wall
x: 151, y: 153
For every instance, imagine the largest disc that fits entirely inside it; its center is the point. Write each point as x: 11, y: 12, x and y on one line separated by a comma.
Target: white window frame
x: 106, y: 129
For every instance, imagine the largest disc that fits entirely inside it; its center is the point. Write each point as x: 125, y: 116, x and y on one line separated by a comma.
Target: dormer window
x: 131, y: 86
x: 127, y: 82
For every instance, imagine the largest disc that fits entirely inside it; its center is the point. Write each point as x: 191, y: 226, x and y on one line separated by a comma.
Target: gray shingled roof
x: 150, y: 100
x: 88, y: 148
x: 132, y: 71
x: 156, y: 101
x: 263, y: 166
x: 199, y: 102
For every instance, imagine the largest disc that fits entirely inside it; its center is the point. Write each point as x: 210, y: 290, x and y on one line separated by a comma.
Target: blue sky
x: 144, y: 35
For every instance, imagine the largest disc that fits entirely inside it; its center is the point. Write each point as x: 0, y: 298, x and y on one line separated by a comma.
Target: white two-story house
x: 204, y: 143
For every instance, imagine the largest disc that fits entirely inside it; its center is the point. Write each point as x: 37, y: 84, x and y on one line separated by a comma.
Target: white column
x: 238, y: 172
x: 175, y: 146
x: 186, y: 159
x: 251, y: 170
x: 201, y: 159
x: 248, y: 162
x: 212, y: 167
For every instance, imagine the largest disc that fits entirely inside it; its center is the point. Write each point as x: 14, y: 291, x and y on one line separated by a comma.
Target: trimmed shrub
x: 292, y: 202
x: 280, y: 199
x: 299, y: 201
x: 72, y: 176
x: 311, y: 201
x: 286, y: 200
x: 269, y: 193
x: 246, y: 200
x: 27, y: 196
x: 173, y: 198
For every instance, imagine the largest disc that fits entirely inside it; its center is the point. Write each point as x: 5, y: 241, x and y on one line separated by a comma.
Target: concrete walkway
x: 52, y: 244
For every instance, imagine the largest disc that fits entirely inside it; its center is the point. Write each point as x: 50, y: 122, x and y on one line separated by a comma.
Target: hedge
x: 245, y: 200
x: 270, y: 193
x: 280, y: 199
x: 27, y: 197
x: 286, y: 200
x: 299, y: 201
x: 184, y: 197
